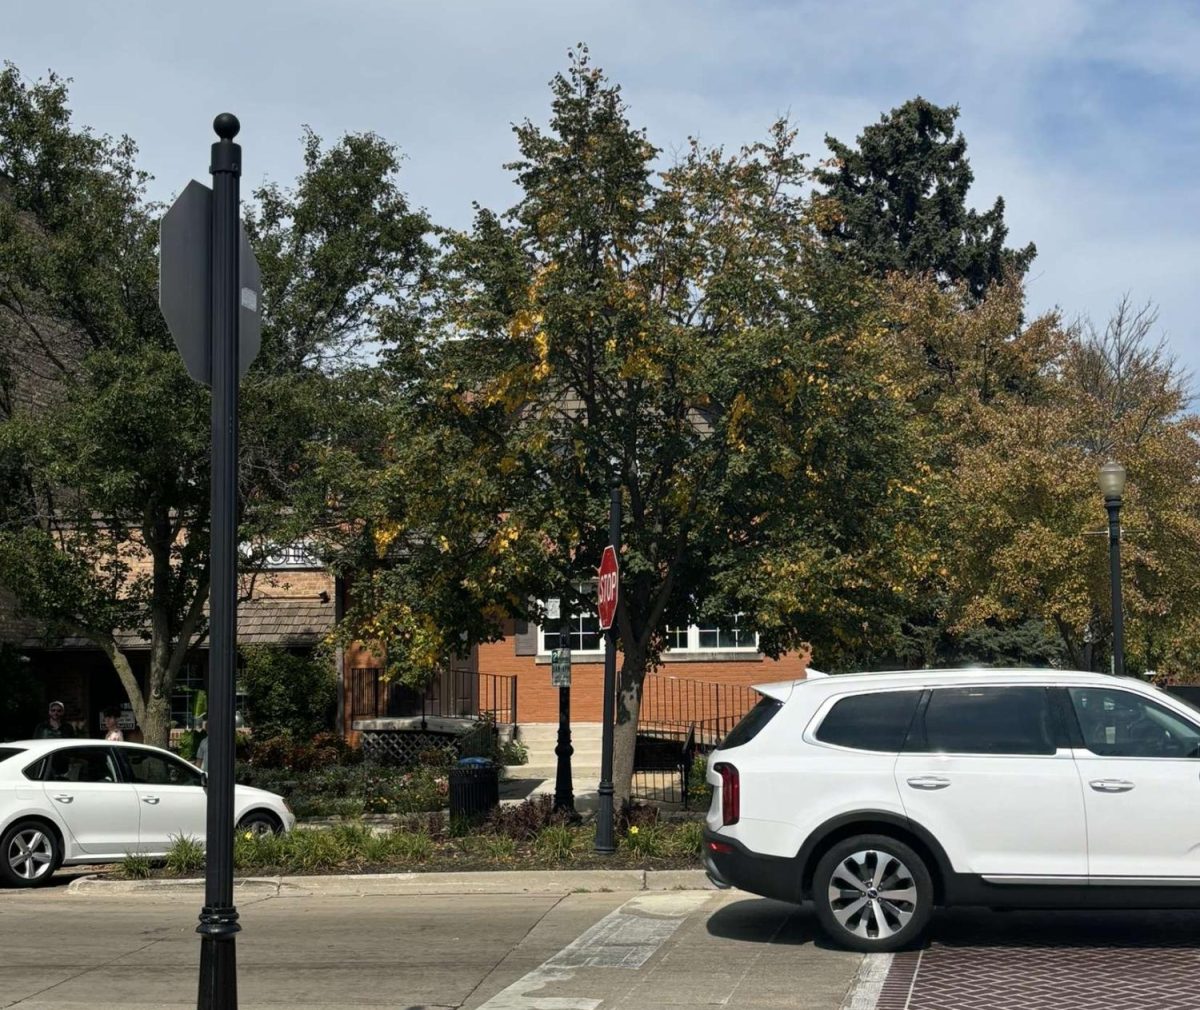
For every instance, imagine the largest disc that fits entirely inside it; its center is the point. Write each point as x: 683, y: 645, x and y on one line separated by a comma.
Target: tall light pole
x: 1112, y: 486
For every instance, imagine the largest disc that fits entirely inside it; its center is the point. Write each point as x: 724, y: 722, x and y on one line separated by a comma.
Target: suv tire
x: 872, y: 893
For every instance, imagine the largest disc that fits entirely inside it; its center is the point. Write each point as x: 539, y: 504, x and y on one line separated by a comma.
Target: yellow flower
x: 633, y: 830
x: 248, y: 835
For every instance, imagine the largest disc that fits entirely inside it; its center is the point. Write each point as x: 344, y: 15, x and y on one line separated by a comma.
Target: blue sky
x: 1081, y: 114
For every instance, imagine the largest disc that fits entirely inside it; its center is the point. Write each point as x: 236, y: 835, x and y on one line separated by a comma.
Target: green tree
x: 682, y: 335
x: 287, y: 693
x: 898, y: 202
x: 104, y: 438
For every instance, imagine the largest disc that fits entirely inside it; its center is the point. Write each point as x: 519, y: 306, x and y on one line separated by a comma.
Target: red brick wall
x: 537, y: 700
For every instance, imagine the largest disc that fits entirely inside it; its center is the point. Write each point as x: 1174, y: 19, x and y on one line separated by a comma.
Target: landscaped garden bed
x: 528, y: 836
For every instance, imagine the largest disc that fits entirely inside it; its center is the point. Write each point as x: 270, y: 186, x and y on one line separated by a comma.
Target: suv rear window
x: 752, y: 722
x: 875, y: 722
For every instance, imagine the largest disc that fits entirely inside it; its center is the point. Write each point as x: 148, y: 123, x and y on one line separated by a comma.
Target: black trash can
x: 474, y: 788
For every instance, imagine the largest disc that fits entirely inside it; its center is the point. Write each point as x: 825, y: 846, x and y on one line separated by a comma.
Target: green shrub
x: 412, y: 846
x: 513, y: 752
x: 185, y: 854
x: 135, y: 866
x: 496, y: 846
x: 286, y: 694
x: 685, y: 839
x: 557, y: 842
x: 645, y: 842
x: 189, y: 740
x: 699, y: 791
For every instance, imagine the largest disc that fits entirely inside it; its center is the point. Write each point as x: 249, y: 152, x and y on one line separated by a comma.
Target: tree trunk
x: 629, y: 697
x: 156, y: 723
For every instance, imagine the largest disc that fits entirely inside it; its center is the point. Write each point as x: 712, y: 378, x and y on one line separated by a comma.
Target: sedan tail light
x: 731, y: 792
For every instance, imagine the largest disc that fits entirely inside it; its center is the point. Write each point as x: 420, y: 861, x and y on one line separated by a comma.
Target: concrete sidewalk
x: 497, y: 882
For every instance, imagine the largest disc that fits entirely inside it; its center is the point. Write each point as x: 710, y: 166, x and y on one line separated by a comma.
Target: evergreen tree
x: 898, y: 202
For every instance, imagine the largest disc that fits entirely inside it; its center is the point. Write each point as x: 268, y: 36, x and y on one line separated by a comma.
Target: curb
x: 365, y: 884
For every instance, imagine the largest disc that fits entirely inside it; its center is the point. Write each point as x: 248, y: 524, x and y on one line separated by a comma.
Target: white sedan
x: 65, y: 802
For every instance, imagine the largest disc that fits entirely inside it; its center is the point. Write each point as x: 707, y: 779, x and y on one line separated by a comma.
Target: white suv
x: 878, y: 796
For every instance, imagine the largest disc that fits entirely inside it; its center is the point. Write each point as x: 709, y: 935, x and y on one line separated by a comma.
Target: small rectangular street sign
x: 560, y: 667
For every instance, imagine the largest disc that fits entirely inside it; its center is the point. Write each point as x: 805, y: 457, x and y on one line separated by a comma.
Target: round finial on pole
x: 226, y: 125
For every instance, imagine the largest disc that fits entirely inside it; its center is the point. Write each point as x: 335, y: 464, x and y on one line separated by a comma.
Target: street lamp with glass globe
x: 1112, y: 486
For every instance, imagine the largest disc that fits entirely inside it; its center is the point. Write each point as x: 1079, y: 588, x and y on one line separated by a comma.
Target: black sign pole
x: 219, y: 918
x: 604, y: 816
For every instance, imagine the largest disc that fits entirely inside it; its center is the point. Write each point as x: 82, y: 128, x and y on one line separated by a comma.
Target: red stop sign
x: 606, y: 590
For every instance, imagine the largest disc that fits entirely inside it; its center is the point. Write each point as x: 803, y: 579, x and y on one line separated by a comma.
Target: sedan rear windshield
x: 10, y: 752
x: 752, y: 722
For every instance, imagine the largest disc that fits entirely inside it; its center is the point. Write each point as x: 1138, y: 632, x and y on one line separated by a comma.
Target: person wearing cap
x: 55, y: 725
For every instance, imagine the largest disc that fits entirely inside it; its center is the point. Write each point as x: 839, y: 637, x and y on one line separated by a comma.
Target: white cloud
x: 1079, y: 112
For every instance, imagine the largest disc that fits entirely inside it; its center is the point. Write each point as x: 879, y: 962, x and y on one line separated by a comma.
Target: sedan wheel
x: 30, y: 854
x: 259, y: 823
x: 872, y: 893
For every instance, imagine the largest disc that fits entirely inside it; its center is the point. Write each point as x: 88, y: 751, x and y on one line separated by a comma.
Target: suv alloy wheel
x: 872, y: 893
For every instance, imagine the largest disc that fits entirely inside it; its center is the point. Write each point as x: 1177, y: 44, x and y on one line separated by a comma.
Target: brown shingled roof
x: 262, y: 621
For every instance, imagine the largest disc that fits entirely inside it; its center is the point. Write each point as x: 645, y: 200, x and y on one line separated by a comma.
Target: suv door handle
x: 150, y: 799
x: 1111, y: 785
x: 928, y: 782
x: 64, y: 798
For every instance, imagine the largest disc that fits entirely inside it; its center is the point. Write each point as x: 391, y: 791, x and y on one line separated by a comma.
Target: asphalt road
x: 599, y: 950
x: 493, y: 952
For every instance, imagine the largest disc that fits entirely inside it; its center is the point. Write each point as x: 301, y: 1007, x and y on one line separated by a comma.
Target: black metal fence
x: 453, y: 694
x: 683, y: 718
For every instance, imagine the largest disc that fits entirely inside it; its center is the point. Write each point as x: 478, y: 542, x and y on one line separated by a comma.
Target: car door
x: 171, y: 798
x: 85, y: 787
x: 1140, y: 765
x: 989, y: 771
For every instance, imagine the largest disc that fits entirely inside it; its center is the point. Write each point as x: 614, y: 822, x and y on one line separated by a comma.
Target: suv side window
x: 1117, y: 723
x: 988, y: 720
x: 874, y: 722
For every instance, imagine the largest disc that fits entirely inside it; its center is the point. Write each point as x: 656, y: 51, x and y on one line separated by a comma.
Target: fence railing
x: 453, y: 694
x: 677, y: 709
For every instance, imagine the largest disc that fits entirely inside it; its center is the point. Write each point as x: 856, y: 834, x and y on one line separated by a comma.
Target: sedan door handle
x: 928, y: 782
x: 64, y: 798
x: 150, y: 799
x: 1111, y: 785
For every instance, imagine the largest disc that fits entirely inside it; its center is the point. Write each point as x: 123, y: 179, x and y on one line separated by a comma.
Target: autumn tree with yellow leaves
x: 682, y: 333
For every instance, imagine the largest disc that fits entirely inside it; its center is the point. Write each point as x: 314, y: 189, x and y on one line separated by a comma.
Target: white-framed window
x: 726, y: 635
x: 585, y: 635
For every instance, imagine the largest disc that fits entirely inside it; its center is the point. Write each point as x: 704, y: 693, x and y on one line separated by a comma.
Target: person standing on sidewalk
x: 111, y: 730
x: 55, y: 727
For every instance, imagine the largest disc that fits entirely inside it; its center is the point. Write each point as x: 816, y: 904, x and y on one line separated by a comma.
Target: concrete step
x: 548, y: 771
x: 541, y: 730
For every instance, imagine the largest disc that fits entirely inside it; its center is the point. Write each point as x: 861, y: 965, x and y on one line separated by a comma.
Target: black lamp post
x: 1112, y: 485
